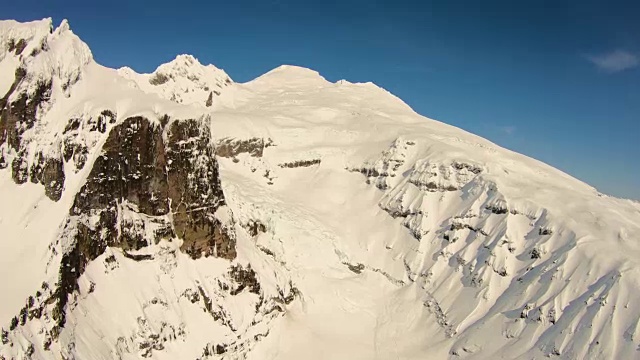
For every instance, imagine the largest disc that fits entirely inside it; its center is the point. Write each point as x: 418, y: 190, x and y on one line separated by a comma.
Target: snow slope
x: 344, y: 225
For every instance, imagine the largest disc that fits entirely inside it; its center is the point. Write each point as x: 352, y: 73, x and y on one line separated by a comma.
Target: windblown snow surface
x: 356, y: 228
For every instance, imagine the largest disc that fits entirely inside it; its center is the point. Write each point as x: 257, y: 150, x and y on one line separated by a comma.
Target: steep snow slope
x: 291, y: 218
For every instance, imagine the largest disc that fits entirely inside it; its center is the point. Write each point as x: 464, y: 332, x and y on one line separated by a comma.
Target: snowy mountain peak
x: 44, y: 56
x: 291, y: 75
x: 183, y: 80
x: 184, y: 65
x: 63, y: 27
x: 13, y: 30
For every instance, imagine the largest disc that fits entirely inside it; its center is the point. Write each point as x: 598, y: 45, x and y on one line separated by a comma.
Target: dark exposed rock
x: 432, y: 185
x: 109, y: 116
x: 37, y: 168
x: 4, y: 337
x: 460, y: 226
x: 229, y: 148
x: 53, y: 178
x: 30, y: 351
x: 525, y: 311
x: 209, y: 100
x: 244, y: 278
x: 193, y: 296
x: 74, y: 143
x: 400, y: 212
x: 79, y: 153
x: 20, y: 115
x: 502, y: 272
x: 11, y: 45
x: 17, y: 47
x: 355, y: 268
x: 370, y: 172
x: 254, y: 227
x: 220, y: 349
x: 14, y: 323
x: 434, y: 307
x: 19, y: 169
x: 46, y: 345
x: 16, y: 118
x: 535, y: 254
x: 472, y: 168
x: 195, y: 191
x: 138, y: 172
x: 137, y: 257
x: 497, y: 209
x: 3, y: 160
x: 300, y: 163
x: 73, y: 124
x: 208, y: 304
x: 131, y: 167
x: 293, y: 293
x: 552, y: 316
x: 50, y: 173
x: 379, y: 178
x: 158, y: 79
x: 545, y: 231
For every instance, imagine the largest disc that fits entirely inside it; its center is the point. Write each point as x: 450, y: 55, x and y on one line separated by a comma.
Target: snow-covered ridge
x: 47, y: 55
x: 183, y: 80
x: 291, y: 217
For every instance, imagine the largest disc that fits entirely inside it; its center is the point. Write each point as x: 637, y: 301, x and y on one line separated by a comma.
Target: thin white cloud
x: 615, y: 61
x: 508, y: 130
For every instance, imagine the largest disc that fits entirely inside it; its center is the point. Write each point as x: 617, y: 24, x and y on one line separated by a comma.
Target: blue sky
x: 556, y: 80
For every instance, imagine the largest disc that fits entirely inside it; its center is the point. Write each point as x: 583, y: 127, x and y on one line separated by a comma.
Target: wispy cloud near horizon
x: 615, y: 61
x: 508, y: 130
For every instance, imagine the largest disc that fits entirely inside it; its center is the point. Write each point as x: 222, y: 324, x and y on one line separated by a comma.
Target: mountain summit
x: 181, y: 215
x: 183, y: 80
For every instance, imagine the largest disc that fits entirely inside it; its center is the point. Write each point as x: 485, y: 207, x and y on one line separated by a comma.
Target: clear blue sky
x: 556, y: 80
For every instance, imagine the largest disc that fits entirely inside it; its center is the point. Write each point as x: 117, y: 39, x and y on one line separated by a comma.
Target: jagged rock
x: 195, y: 191
x: 50, y: 173
x: 232, y: 147
x: 20, y: 169
x: 20, y: 115
x: 535, y: 253
x: 17, y: 47
x: 138, y: 172
x: 158, y: 79
x: 545, y: 231
x: 254, y: 227
x: 244, y: 278
x: 355, y: 268
x: 210, y: 99
x: 498, y: 209
x: 131, y: 168
x: 300, y: 163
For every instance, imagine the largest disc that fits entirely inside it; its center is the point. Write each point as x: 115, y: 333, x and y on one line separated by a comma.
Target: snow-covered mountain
x: 180, y: 215
x: 183, y: 80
